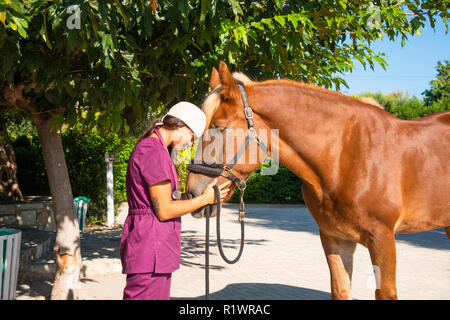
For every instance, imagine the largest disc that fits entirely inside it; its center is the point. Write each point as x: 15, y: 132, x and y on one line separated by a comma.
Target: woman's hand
x: 165, y: 208
x: 210, y: 194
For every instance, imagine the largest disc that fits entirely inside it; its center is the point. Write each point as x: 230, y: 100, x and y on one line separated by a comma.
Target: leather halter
x: 219, y: 169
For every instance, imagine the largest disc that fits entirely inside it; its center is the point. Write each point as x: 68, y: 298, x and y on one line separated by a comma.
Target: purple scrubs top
x: 147, y: 244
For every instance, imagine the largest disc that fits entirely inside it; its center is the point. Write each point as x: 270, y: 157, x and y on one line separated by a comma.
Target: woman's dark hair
x: 169, y: 123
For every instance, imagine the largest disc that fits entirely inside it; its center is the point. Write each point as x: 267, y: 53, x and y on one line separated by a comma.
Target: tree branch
x: 14, y: 97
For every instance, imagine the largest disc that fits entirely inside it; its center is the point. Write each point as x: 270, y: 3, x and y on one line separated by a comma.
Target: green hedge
x: 405, y: 107
x: 283, y: 187
x: 84, y: 155
x: 31, y: 173
x: 85, y: 158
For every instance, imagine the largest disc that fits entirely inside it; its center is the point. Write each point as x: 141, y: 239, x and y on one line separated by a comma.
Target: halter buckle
x: 248, y: 112
x: 227, y: 170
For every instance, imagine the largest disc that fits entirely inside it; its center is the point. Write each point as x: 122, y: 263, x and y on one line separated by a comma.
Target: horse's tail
x: 447, y: 229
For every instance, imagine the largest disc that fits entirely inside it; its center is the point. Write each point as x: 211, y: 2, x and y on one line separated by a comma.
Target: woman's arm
x: 166, y: 208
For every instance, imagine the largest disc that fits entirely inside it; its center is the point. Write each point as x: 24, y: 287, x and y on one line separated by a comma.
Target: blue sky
x: 410, y: 68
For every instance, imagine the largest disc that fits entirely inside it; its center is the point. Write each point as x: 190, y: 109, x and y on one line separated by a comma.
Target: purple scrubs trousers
x: 147, y: 286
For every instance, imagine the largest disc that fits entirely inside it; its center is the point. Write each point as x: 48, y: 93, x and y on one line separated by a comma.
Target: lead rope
x: 219, y: 241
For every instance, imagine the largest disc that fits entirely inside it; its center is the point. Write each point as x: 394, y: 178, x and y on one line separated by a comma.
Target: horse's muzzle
x: 200, y: 212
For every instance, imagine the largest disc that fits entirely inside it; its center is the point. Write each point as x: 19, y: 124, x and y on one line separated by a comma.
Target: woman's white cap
x: 191, y: 115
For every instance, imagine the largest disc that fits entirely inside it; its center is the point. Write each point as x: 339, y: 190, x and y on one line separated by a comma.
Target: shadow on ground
x: 40, y: 289
x: 35, y: 289
x: 193, y: 246
x: 434, y: 239
x: 263, y: 291
x: 298, y: 218
x: 294, y: 218
x: 100, y: 244
x: 106, y: 244
x: 235, y: 291
x: 281, y: 217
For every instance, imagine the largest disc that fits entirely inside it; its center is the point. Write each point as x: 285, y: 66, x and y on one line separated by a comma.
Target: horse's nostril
x: 190, y: 195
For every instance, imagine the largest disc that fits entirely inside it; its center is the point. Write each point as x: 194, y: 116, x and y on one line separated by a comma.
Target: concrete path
x: 282, y: 259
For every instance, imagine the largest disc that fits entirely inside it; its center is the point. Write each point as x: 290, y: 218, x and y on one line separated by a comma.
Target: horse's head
x: 225, y: 135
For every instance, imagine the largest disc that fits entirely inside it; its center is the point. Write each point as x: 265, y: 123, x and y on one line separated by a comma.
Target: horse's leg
x: 381, y: 245
x: 447, y: 229
x: 339, y: 255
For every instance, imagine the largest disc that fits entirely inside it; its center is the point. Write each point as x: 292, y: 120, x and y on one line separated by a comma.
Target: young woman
x: 150, y: 243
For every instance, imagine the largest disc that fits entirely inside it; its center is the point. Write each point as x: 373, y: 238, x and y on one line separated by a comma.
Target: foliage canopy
x: 119, y: 59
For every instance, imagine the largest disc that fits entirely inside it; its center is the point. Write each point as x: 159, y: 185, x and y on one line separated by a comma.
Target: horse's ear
x: 215, y: 79
x: 229, y: 87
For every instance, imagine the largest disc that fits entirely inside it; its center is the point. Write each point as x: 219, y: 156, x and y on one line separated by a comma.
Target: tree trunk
x: 9, y: 187
x: 67, y: 245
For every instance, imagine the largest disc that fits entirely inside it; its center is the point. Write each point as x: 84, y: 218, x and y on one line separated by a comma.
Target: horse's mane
x: 239, y: 76
x: 212, y: 101
x: 371, y: 101
x: 211, y: 104
x: 301, y: 84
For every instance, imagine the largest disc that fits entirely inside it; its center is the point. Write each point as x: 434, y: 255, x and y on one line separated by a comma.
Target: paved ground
x: 282, y: 259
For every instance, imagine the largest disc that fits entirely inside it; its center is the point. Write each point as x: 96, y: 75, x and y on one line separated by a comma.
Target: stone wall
x: 35, y: 213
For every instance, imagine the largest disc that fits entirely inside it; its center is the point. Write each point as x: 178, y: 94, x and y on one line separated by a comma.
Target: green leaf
x: 44, y: 32
x: 21, y: 24
x: 280, y: 20
x: 279, y: 4
x: 115, y: 119
x: 122, y: 13
x: 267, y: 22
x: 294, y: 19
x: 381, y: 61
x: 148, y: 17
x: 3, y: 13
x: 257, y: 25
x: 237, y: 10
x: 205, y: 5
x: 56, y: 122
x: 108, y: 62
x: 430, y: 17
x: 126, y: 127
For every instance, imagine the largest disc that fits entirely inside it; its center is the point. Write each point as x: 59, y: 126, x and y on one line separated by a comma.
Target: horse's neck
x: 310, y: 125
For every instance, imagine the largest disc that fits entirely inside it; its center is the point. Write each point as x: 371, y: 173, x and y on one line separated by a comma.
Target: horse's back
x: 440, y: 117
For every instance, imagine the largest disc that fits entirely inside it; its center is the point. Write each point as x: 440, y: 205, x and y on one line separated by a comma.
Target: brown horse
x: 366, y: 174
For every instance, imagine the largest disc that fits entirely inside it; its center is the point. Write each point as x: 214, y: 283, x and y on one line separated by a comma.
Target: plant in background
x: 439, y: 93
x: 436, y: 99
